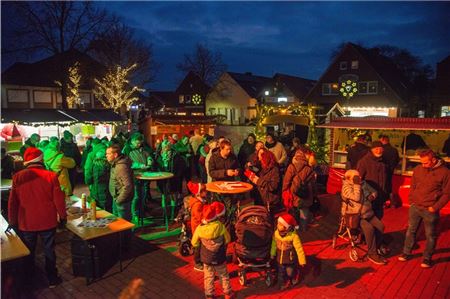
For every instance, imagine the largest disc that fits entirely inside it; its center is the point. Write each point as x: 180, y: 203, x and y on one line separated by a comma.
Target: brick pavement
x: 329, y: 274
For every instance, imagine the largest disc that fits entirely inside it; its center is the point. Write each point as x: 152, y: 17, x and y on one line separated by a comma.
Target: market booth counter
x: 433, y: 131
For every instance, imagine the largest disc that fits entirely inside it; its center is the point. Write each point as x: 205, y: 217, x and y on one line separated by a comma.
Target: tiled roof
x: 297, y: 85
x: 252, y: 84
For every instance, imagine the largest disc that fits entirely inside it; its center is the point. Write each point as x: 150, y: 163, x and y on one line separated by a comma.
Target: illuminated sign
x: 348, y: 89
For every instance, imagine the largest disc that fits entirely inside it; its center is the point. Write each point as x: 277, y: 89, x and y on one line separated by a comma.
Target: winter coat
x: 268, y: 185
x: 121, y: 180
x: 218, y: 166
x: 302, y: 182
x: 139, y: 157
x: 173, y: 163
x: 213, y: 238
x: 36, y: 199
x: 196, y: 208
x: 55, y: 160
x: 84, y: 155
x: 287, y: 248
x: 355, y: 153
x: 7, y: 164
x: 184, y: 151
x: 98, y: 178
x: 430, y: 187
x: 279, y: 151
x: 390, y: 157
x: 355, y: 199
x: 245, y: 151
x: 70, y: 149
x: 90, y: 160
x: 195, y: 142
x: 373, y: 171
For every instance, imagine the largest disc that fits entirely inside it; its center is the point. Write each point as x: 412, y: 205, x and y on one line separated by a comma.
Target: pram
x: 350, y: 231
x: 254, y: 229
x: 184, y: 217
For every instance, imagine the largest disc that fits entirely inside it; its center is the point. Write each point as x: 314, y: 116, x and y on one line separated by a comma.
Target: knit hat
x: 32, y: 155
x: 209, y: 213
x: 195, y: 188
x: 287, y: 220
x: 376, y: 144
x: 219, y: 207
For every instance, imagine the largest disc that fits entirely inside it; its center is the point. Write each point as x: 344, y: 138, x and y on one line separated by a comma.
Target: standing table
x: 158, y: 176
x: 88, y: 234
x: 226, y: 187
x: 11, y: 245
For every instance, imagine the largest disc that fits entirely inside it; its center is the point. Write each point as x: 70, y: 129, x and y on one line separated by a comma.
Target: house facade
x: 234, y: 97
x: 286, y: 89
x: 33, y: 85
x: 363, y: 82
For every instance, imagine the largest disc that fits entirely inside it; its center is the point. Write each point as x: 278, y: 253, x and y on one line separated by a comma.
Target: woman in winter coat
x: 276, y: 148
x: 247, y: 149
x: 357, y: 196
x: 55, y: 161
x: 97, y: 177
x: 268, y: 179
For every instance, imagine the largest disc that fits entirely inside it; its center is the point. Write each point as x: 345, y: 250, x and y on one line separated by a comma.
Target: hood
x: 299, y: 160
x: 122, y: 160
x: 211, y: 230
x: 439, y: 163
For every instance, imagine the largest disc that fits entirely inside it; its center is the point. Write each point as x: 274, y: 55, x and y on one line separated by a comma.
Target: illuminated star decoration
x: 196, y: 99
x: 348, y: 89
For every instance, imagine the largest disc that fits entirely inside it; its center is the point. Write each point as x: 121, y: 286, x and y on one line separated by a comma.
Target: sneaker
x: 53, y: 282
x: 426, y: 263
x: 383, y: 250
x: 198, y: 267
x: 404, y: 257
x: 376, y: 259
x: 285, y: 286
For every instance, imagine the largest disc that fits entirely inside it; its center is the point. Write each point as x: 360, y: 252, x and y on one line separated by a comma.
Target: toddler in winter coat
x: 288, y: 250
x: 213, y: 238
x: 197, y: 200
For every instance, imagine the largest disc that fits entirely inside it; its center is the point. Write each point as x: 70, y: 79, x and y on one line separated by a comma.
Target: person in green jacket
x: 55, y: 160
x: 97, y: 177
x: 70, y: 149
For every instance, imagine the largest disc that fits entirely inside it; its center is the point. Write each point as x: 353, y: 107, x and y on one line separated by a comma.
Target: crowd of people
x: 284, y: 180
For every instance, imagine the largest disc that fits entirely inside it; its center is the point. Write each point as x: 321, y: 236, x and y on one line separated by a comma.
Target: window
x: 212, y: 111
x: 445, y: 111
x: 355, y: 64
x: 181, y: 99
x: 266, y: 93
x: 343, y: 65
x: 362, y: 87
x: 330, y: 89
x: 187, y: 99
x: 373, y: 87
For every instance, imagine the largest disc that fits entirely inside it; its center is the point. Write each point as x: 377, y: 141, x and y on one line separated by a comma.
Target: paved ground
x: 329, y: 274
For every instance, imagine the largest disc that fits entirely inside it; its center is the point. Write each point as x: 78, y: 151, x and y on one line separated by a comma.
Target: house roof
x: 45, y: 72
x: 167, y: 98
x: 390, y: 123
x: 250, y: 83
x: 192, y: 84
x: 297, y: 85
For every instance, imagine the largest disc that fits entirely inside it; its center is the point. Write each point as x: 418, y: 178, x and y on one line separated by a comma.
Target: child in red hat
x: 196, y: 203
x: 287, y: 249
x: 213, y: 238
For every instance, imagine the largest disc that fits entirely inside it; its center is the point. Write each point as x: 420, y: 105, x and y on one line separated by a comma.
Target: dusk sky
x: 295, y: 38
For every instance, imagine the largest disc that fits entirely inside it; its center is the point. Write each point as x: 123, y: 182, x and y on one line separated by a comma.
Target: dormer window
x: 343, y: 65
x: 181, y: 99
x: 355, y: 64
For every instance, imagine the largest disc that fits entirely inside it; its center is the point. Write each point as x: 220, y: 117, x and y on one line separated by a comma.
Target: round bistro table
x: 229, y: 187
x: 157, y: 176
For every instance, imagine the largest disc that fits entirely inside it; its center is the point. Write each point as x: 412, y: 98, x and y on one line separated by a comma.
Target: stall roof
x: 183, y: 119
x: 28, y: 116
x: 390, y: 123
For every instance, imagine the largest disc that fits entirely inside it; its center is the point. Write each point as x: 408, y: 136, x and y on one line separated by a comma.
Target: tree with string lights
x: 114, y: 91
x: 73, y: 85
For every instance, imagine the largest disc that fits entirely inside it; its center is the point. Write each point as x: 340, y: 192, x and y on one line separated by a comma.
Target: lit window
x: 181, y: 99
x: 282, y: 99
x: 421, y: 113
x: 330, y: 89
x: 266, y: 92
x: 343, y: 65
x: 326, y: 88
x: 445, y: 111
x: 355, y: 64
x: 373, y: 87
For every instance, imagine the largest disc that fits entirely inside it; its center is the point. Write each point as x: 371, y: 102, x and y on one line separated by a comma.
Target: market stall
x: 433, y: 131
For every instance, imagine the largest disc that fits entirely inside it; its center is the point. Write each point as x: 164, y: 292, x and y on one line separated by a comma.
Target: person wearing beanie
x: 70, y: 149
x: 33, y: 141
x: 34, y: 204
x: 276, y: 148
x: 287, y: 249
x: 196, y: 203
x: 213, y: 237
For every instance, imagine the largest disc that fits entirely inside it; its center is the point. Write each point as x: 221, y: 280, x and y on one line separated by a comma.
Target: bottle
x: 93, y: 210
x: 83, y: 202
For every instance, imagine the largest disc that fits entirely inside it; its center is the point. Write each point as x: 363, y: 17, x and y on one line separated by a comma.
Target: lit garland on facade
x: 196, y: 99
x: 348, y: 89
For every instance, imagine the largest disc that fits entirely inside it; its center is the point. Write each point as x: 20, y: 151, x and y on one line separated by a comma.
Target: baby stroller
x: 254, y: 229
x: 349, y: 230
x: 184, y: 216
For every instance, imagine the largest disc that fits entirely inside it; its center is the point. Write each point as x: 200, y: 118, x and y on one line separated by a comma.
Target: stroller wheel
x: 185, y: 249
x: 353, y: 254
x: 242, y: 277
x: 269, y: 279
x: 334, y: 241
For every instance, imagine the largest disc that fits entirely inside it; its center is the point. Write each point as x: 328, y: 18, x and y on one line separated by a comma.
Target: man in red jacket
x: 34, y: 204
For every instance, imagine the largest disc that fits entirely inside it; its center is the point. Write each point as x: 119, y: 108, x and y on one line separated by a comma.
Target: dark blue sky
x: 295, y: 38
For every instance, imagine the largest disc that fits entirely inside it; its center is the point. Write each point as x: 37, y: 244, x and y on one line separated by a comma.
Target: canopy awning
x: 94, y: 115
x: 286, y: 118
x: 33, y: 116
x: 389, y: 123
